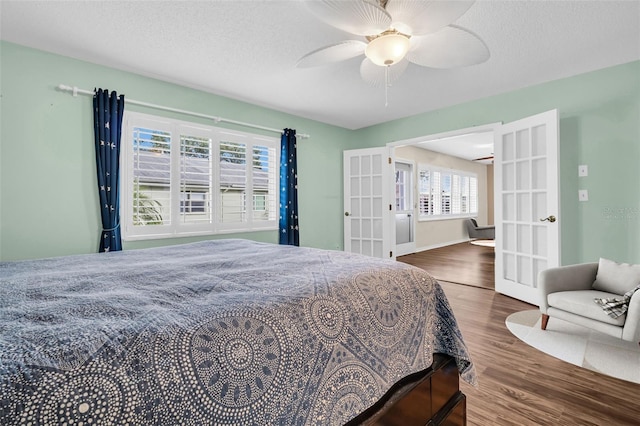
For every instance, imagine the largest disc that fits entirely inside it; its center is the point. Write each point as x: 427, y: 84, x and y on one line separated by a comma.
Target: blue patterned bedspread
x: 228, y: 332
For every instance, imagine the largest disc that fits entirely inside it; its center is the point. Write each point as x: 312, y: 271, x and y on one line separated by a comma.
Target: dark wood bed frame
x: 427, y: 398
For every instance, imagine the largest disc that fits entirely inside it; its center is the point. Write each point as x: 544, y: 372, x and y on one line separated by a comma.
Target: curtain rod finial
x: 66, y: 88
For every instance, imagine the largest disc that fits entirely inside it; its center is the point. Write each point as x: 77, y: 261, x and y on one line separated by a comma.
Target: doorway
x: 525, y: 198
x: 447, y: 154
x: 526, y: 201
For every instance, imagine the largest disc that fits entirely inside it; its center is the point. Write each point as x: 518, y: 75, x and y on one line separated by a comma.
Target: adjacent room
x: 320, y: 212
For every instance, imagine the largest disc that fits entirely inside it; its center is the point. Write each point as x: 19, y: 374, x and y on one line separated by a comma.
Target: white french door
x: 368, y: 210
x: 527, y: 204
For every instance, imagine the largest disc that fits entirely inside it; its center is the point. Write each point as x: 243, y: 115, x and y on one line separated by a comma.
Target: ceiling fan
x: 396, y: 32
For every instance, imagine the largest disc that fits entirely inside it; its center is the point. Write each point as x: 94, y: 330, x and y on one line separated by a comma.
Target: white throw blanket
x: 615, y: 307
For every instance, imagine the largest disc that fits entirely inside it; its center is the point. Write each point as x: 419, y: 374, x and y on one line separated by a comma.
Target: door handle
x: 550, y: 219
x: 346, y: 213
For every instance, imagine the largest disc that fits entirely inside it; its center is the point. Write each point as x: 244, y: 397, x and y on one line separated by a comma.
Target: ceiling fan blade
x: 450, y: 47
x: 334, y: 53
x: 425, y: 17
x: 483, y: 158
x: 359, y: 17
x: 376, y: 75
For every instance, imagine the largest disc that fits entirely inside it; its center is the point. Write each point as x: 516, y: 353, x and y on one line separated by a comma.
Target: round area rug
x: 578, y: 345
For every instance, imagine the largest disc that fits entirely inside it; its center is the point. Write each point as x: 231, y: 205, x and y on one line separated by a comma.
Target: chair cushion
x: 616, y: 278
x: 580, y: 302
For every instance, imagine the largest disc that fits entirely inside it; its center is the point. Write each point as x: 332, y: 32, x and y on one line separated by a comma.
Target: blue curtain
x: 107, y: 122
x: 289, y: 232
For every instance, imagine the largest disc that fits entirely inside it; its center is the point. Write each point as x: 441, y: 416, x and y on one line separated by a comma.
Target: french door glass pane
x: 540, y: 240
x: 524, y: 207
x: 523, y: 175
x: 508, y: 177
x: 538, y: 141
x: 355, y: 186
x: 539, y: 205
x: 539, y: 173
x: 508, y: 147
x: 523, y: 238
x: 377, y: 207
x: 522, y: 144
x: 524, y: 270
x: 355, y: 228
x: 365, y: 188
x: 366, y: 207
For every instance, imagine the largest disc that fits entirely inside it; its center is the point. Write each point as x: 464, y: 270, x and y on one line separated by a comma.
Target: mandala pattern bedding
x: 228, y: 332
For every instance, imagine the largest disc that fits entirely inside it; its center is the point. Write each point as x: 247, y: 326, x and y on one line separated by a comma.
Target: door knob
x: 550, y: 219
x: 346, y: 213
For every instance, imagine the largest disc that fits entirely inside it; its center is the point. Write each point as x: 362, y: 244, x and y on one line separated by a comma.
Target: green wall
x: 48, y: 202
x: 599, y: 126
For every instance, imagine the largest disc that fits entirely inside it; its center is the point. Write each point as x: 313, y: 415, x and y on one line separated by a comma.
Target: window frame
x: 455, y: 178
x: 211, y: 224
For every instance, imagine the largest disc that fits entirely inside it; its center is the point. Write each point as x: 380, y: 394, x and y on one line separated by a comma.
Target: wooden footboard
x: 430, y: 397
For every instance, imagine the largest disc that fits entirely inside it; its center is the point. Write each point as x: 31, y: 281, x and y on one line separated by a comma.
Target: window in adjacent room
x: 181, y: 178
x: 446, y: 193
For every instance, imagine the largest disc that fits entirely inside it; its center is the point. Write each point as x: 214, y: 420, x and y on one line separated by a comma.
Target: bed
x: 225, y: 332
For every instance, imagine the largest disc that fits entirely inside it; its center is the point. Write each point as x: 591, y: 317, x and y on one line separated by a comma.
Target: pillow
x: 617, y: 278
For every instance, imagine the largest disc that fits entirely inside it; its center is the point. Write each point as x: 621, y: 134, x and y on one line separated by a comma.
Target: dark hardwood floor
x: 519, y: 385
x: 462, y: 263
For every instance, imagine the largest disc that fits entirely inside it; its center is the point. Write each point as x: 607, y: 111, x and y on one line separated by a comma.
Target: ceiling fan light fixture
x: 388, y: 48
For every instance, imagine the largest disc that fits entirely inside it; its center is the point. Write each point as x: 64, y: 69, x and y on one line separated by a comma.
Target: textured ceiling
x: 247, y: 50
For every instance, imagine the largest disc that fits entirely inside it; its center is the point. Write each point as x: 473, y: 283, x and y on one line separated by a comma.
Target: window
x: 181, y: 178
x: 259, y: 203
x: 403, y: 187
x: 447, y: 193
x: 193, y: 202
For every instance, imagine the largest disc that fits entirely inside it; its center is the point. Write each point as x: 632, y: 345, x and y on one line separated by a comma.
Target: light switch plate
x: 583, y: 195
x: 583, y: 170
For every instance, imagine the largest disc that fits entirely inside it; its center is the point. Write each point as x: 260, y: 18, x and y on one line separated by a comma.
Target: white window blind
x: 179, y: 178
x: 151, y: 174
x: 196, y: 185
x: 456, y: 195
x: 233, y: 181
x: 436, y: 190
x: 265, y: 189
x: 424, y: 190
x: 473, y: 196
x: 447, y: 193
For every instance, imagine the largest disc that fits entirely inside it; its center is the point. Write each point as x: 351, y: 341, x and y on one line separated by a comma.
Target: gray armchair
x: 479, y: 232
x: 568, y: 293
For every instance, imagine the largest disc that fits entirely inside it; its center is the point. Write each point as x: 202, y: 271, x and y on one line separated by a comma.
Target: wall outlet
x: 583, y: 195
x: 583, y: 170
